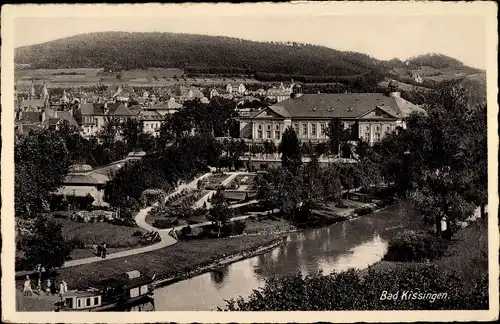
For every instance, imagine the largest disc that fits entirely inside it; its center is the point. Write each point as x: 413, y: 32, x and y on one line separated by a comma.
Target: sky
x: 383, y: 37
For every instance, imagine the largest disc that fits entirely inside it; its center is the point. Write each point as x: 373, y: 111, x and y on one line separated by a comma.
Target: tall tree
x: 131, y: 130
x: 291, y: 156
x: 219, y: 213
x: 335, y: 133
x: 41, y: 163
x: 41, y: 242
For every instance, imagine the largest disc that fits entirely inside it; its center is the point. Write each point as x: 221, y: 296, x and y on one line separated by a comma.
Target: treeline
x: 196, y: 52
x: 437, y: 61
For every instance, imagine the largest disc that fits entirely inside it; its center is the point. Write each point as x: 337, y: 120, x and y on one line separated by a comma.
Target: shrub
x: 137, y: 233
x: 238, y: 227
x: 61, y: 215
x: 165, y: 223
x: 185, y: 231
x: 361, y: 211
x: 415, y: 246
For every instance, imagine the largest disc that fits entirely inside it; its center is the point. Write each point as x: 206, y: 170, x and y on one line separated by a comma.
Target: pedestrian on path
x: 104, y: 251
x: 27, y: 290
x: 53, y: 287
x: 47, y: 286
x: 63, y: 288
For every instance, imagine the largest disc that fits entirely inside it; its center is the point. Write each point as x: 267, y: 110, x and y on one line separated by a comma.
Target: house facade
x: 370, y: 116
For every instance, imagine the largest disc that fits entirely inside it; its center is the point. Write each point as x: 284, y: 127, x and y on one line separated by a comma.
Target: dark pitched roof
x: 31, y: 116
x: 121, y: 110
x: 33, y: 103
x: 66, y: 115
x: 88, y: 109
x: 341, y: 105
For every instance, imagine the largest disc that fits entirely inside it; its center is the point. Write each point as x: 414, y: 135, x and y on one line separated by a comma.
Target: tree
x: 269, y: 147
x: 42, y: 243
x: 312, y: 176
x: 281, y: 189
x: 41, y: 164
x: 439, y: 159
x: 291, y: 156
x: 131, y: 130
x: 331, y: 186
x: 335, y: 133
x: 109, y: 132
x: 219, y: 213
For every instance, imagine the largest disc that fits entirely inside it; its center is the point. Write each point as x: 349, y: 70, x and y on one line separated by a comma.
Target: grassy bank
x: 173, y: 260
x: 466, y: 257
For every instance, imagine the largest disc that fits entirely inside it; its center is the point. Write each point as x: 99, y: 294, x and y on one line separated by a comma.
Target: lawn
x: 329, y: 209
x: 87, y: 234
x: 267, y: 226
x: 245, y: 180
x: 166, y: 262
x: 216, y: 179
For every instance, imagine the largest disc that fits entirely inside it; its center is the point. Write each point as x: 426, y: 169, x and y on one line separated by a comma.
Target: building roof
x: 89, y: 109
x: 66, y: 115
x: 31, y: 103
x: 92, y: 178
x: 31, y: 117
x: 75, y: 168
x: 341, y: 105
x: 150, y: 115
x: 168, y: 105
x: 119, y: 109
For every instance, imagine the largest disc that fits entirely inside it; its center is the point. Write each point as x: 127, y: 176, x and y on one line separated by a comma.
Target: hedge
x: 415, y: 246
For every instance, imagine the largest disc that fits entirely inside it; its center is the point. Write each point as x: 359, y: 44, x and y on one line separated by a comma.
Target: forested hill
x: 198, y: 52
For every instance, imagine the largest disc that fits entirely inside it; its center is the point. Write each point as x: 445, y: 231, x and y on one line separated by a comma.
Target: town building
x: 280, y: 93
x: 367, y: 115
x: 151, y: 122
x: 235, y: 89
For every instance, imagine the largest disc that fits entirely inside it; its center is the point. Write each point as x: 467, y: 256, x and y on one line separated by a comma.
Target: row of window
x: 88, y: 302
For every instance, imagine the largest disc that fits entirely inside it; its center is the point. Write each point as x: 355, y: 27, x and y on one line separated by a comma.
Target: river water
x: 351, y: 244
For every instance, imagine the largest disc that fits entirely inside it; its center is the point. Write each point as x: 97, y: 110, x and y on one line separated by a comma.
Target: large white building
x: 370, y: 115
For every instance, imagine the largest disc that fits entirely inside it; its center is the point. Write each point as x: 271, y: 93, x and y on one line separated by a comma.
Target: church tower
x: 45, y: 93
x: 32, y: 93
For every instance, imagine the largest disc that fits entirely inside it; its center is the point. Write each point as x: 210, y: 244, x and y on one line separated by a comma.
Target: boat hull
x: 116, y: 306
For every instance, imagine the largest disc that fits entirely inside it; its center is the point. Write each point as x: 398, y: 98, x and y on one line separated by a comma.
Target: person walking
x: 104, y: 251
x: 47, y: 286
x: 63, y: 287
x: 99, y: 250
x: 53, y: 287
x: 27, y: 290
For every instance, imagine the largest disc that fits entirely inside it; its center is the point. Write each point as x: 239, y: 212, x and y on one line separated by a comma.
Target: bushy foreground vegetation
x: 351, y: 290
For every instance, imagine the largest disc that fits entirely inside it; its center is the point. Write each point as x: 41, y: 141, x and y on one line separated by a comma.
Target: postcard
x: 266, y: 162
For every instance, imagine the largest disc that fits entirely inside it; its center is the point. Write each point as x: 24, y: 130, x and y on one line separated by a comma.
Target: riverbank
x: 466, y: 256
x: 169, y: 264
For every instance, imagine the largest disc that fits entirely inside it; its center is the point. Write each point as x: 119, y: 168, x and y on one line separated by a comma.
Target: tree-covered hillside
x: 197, y: 53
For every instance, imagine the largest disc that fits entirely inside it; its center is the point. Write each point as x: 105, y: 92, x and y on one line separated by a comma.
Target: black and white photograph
x: 229, y: 160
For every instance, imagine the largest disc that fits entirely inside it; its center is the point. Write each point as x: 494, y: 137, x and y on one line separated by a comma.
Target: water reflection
x: 353, y: 244
x: 218, y: 275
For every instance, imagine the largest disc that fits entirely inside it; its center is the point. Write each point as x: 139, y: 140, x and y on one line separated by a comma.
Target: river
x: 351, y: 244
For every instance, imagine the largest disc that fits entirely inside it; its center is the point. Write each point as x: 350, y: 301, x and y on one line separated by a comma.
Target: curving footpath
x: 166, y: 239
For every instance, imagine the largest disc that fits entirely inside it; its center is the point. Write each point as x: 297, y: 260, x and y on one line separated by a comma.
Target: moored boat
x: 110, y: 294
